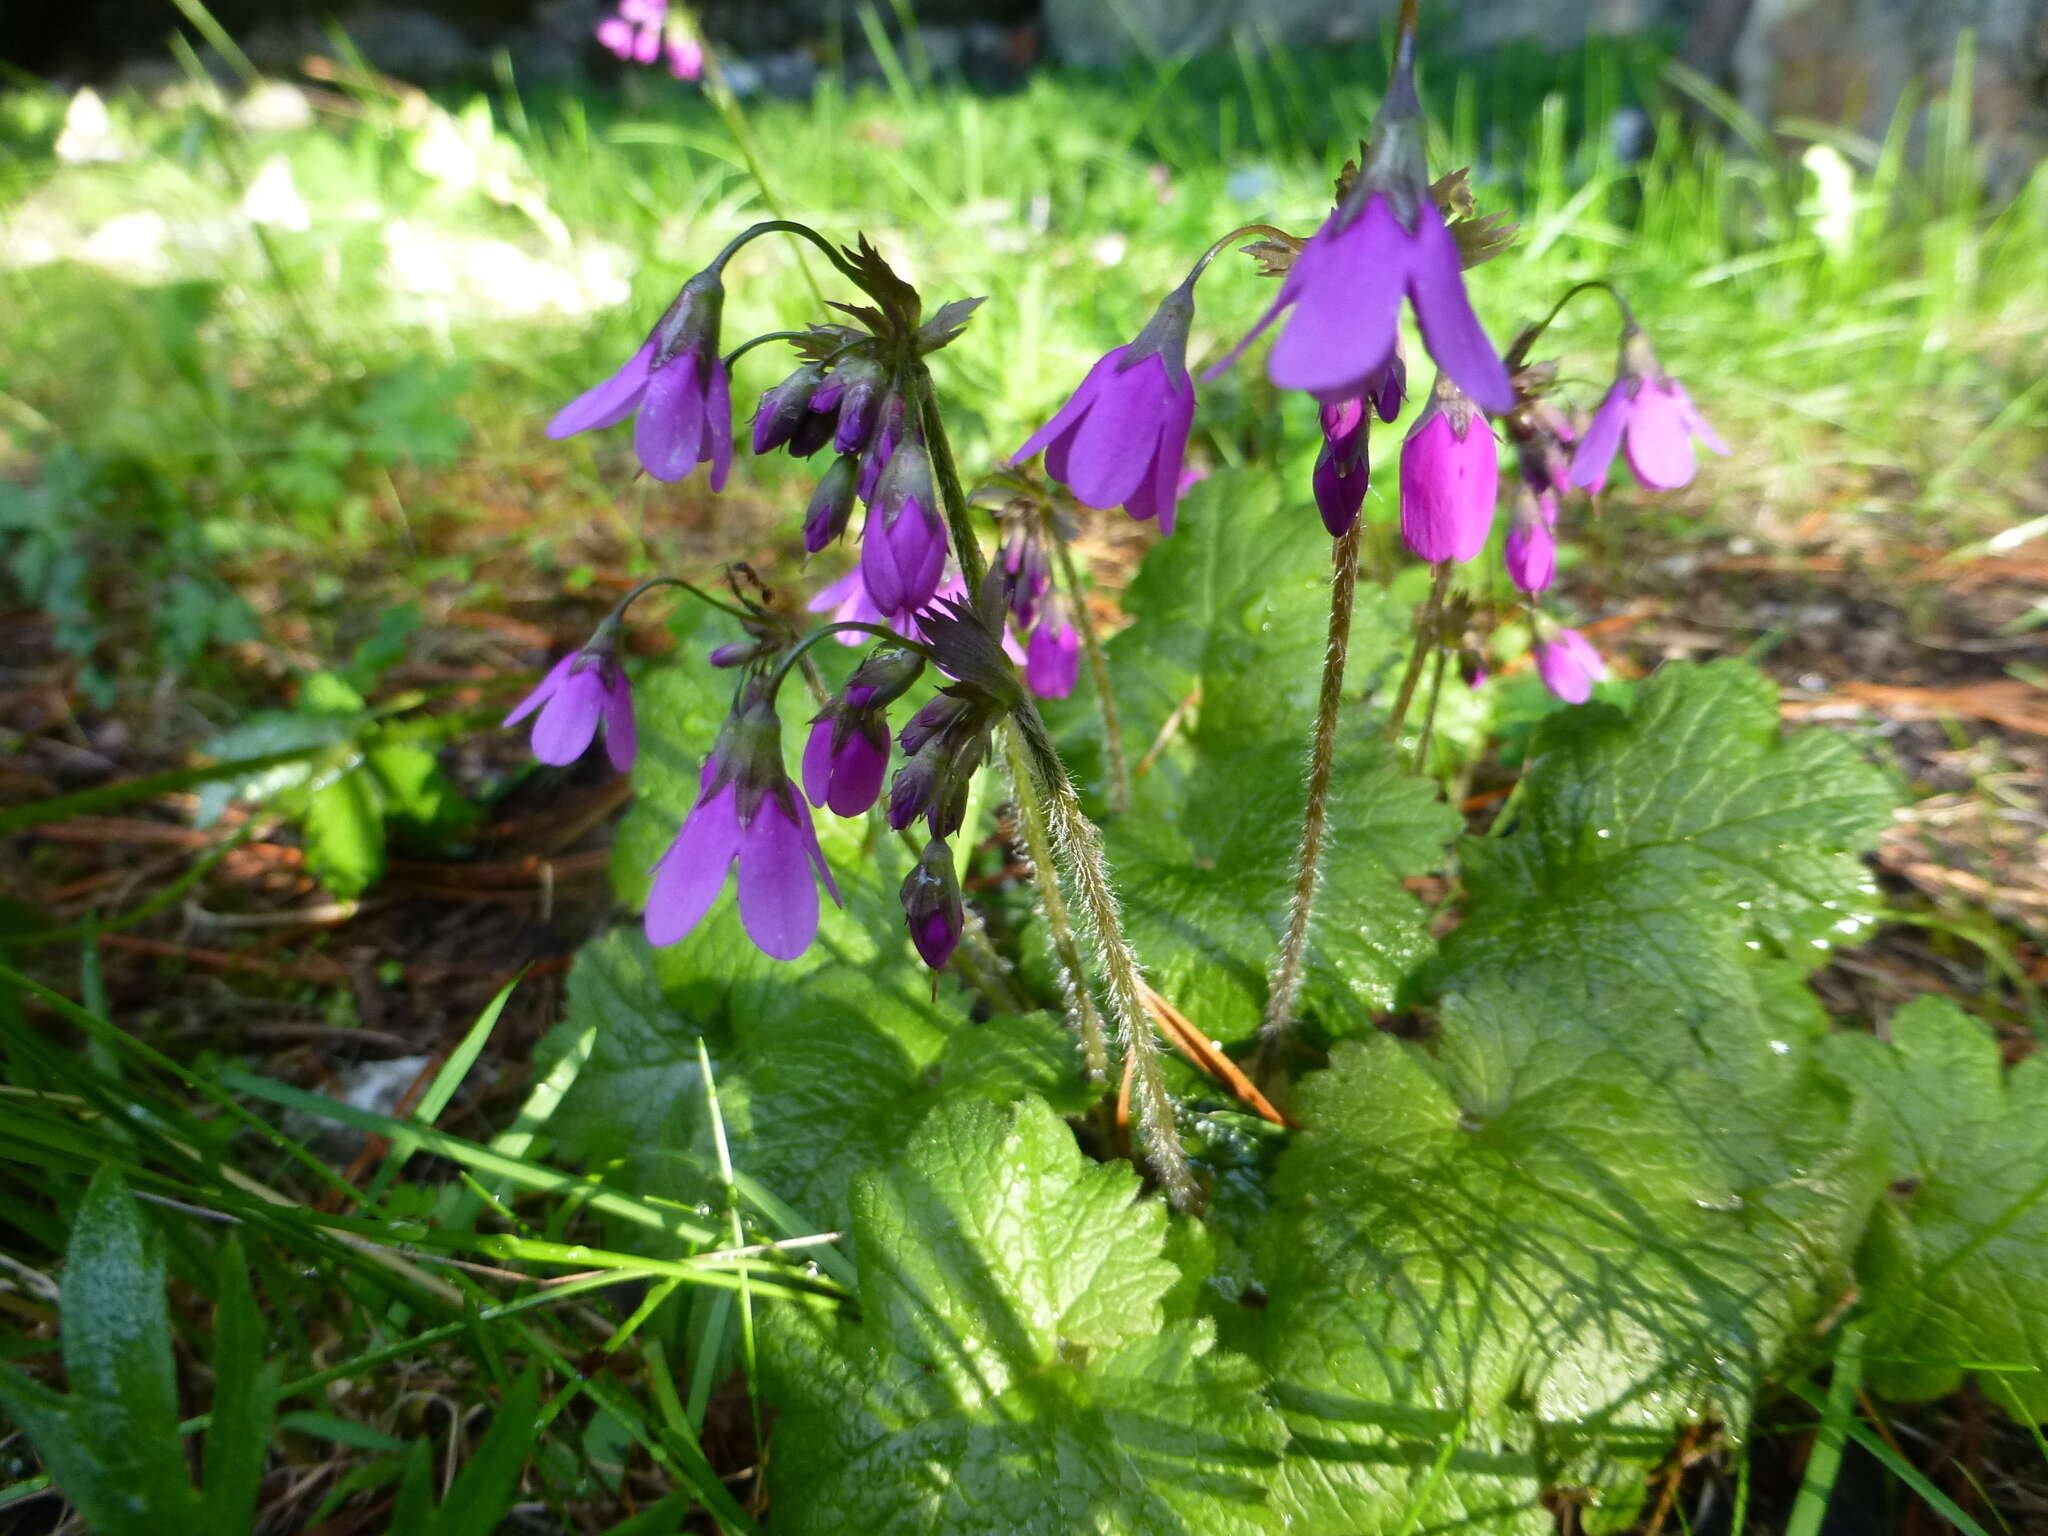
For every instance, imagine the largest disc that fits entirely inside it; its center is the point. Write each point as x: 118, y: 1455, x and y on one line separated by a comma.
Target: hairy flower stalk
x: 1285, y: 984
x: 1059, y: 922
x: 1098, y: 670
x: 1046, y: 791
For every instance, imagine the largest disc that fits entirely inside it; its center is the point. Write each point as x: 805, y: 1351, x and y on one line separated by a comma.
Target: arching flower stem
x: 1519, y: 352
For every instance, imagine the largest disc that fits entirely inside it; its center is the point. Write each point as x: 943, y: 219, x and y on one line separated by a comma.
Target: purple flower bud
x: 931, y: 904
x: 747, y: 814
x: 856, y: 389
x: 831, y: 503
x: 903, y: 545
x: 846, y: 757
x: 1648, y: 413
x: 1569, y: 666
x: 1342, y: 472
x: 1531, y: 552
x: 884, y: 676
x: 1450, y: 478
x: 913, y: 790
x: 1121, y: 439
x: 812, y: 433
x: 685, y: 57
x: 678, y: 386
x: 1052, y: 661
x: 876, y: 459
x: 939, y: 715
x: 581, y: 690
x: 736, y: 653
x: 784, y: 408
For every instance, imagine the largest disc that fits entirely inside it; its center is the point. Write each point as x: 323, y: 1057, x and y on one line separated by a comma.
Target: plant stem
x: 1046, y: 790
x: 1425, y: 635
x: 1098, y: 669
x: 1436, y: 688
x: 973, y: 569
x: 1285, y: 985
x: 1059, y: 923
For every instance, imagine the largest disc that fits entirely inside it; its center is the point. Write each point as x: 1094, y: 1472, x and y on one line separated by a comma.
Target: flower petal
x: 1068, y: 416
x: 690, y: 875
x: 1117, y: 443
x: 778, y: 890
x: 818, y: 761
x: 568, y: 724
x: 1693, y: 419
x: 670, y: 431
x: 857, y: 774
x: 1594, y: 455
x: 606, y: 404
x: 545, y: 691
x: 1343, y: 327
x: 1443, y: 310
x: 718, y: 425
x: 1659, y: 439
x: 621, y: 731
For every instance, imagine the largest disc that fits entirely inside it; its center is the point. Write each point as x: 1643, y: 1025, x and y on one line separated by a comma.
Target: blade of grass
x: 1824, y: 1462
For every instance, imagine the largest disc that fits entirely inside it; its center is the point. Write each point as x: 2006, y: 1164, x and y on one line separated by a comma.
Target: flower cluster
x: 643, y: 31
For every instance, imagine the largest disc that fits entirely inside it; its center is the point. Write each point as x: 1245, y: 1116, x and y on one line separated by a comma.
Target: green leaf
x: 344, y: 833
x: 112, y: 1442
x: 1691, y: 810
x: 1232, y: 612
x: 1011, y: 1370
x: 483, y: 1490
x: 821, y: 1070
x: 1207, y: 884
x: 245, y: 1392
x: 1954, y: 1271
x: 1549, y: 1270
x: 415, y: 790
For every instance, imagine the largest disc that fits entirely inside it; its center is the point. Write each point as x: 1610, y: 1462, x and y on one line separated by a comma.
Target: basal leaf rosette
x: 1007, y: 1366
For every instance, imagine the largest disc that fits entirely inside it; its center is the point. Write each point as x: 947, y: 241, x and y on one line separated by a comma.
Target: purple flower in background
x: 747, y: 814
x: 1341, y: 473
x: 1052, y: 660
x: 1649, y: 415
x: 932, y: 905
x: 685, y: 57
x: 847, y: 601
x: 639, y: 32
x: 1122, y: 438
x: 1386, y: 240
x: 903, y: 545
x: 1450, y: 477
x: 1569, y: 666
x: 678, y: 385
x: 582, y: 689
x: 1531, y: 551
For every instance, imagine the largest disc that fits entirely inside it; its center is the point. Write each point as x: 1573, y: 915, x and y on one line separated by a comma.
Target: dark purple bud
x: 913, y: 789
x: 938, y: 716
x: 812, y: 433
x: 736, y: 654
x: 932, y: 905
x: 831, y: 503
x: 862, y: 383
x: 845, y: 758
x: 783, y: 409
x: 1531, y: 550
x: 884, y: 677
x: 903, y: 544
x: 1342, y: 471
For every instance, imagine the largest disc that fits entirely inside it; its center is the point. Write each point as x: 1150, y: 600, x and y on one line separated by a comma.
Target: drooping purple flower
x: 903, y: 544
x: 582, y: 689
x: 747, y: 813
x: 1450, y: 478
x: 1568, y: 665
x: 932, y: 905
x: 1342, y: 472
x: 635, y: 32
x: 1531, y: 551
x: 1027, y: 565
x: 1052, y: 660
x: 1122, y: 437
x: 1386, y: 240
x: 677, y: 383
x: 1648, y: 414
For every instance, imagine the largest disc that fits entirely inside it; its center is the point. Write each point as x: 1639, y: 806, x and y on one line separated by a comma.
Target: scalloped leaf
x: 1010, y: 1369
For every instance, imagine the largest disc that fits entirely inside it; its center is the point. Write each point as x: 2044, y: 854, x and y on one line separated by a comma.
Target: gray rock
x: 1852, y: 60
